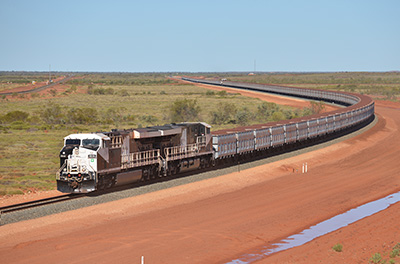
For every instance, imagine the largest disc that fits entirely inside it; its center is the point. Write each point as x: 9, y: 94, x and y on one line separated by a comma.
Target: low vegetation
x: 338, y: 247
x: 387, y: 257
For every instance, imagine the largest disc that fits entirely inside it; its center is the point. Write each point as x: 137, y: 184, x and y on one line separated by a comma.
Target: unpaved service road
x: 219, y: 219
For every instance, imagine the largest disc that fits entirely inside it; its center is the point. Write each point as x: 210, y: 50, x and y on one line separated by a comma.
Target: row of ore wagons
x: 229, y: 144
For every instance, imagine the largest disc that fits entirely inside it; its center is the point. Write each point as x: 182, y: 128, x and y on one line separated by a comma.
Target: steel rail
x: 37, y: 203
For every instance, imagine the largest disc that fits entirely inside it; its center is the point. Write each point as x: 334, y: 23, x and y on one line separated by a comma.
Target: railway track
x: 37, y: 203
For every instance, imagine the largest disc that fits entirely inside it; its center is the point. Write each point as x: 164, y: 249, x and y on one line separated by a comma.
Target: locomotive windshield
x: 91, y: 143
x: 72, y: 142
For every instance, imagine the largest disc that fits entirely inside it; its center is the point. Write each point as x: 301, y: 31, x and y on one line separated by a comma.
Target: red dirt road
x: 219, y: 219
x: 28, y: 87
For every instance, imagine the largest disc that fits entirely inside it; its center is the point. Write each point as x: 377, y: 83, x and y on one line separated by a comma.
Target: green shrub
x: 114, y: 115
x: 15, y: 116
x: 376, y: 258
x: 243, y: 116
x: 184, y: 110
x: 226, y: 114
x: 84, y: 115
x: 317, y: 107
x: 395, y: 252
x: 34, y: 120
x: 266, y: 110
x: 277, y: 116
x: 222, y: 93
x: 307, y: 111
x: 338, y: 247
x: 290, y: 114
x: 52, y: 114
x: 100, y: 91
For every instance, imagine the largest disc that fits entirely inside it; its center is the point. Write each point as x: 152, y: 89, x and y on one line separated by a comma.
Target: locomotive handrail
x: 141, y: 158
x: 60, y: 170
x: 179, y: 152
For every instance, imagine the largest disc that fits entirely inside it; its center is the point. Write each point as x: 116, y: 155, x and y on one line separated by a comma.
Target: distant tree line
x: 187, y: 110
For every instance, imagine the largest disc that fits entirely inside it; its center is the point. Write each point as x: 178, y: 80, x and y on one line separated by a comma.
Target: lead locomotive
x: 93, y: 161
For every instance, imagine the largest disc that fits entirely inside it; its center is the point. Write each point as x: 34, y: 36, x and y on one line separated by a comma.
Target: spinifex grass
x: 28, y: 160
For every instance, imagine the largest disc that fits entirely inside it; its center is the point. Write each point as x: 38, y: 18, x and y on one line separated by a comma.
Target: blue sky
x: 200, y: 36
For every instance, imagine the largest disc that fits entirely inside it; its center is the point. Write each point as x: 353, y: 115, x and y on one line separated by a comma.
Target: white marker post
x: 306, y: 167
x: 303, y: 168
x: 142, y: 262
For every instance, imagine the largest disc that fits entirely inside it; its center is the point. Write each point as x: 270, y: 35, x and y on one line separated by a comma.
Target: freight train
x: 95, y: 161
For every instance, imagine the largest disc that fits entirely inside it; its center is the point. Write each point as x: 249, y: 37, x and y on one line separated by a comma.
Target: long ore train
x: 93, y: 161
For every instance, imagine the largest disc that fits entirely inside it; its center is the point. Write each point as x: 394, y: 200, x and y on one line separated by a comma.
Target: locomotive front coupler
x: 74, y: 184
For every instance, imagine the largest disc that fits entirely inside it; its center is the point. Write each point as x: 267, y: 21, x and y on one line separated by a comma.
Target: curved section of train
x: 94, y: 161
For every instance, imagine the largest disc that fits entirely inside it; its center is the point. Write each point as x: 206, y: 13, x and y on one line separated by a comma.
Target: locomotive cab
x: 78, y: 162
